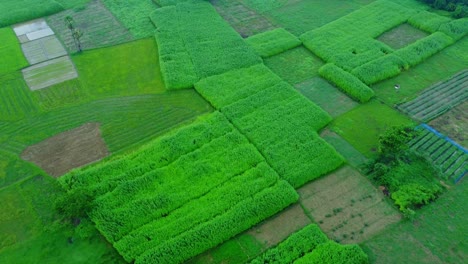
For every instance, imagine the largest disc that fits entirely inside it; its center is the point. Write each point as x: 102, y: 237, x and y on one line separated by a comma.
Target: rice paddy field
x: 242, y: 131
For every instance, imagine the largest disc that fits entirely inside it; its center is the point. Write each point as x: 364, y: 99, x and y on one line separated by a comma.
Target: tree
x: 76, y: 33
x: 395, y: 140
x: 74, y: 204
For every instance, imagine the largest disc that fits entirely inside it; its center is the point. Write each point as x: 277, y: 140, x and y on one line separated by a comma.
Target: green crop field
x: 233, y: 131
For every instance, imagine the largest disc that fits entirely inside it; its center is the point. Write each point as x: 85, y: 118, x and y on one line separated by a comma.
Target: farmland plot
x: 145, y: 208
x: 347, y: 206
x: 16, y: 101
x: 454, y: 124
x: 451, y: 158
x: 100, y: 28
x: 438, y: 98
x: 50, y: 72
x: 10, y: 52
x: 245, y: 21
x: 401, y: 36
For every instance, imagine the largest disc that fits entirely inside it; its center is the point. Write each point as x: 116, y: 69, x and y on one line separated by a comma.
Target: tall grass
x: 273, y: 42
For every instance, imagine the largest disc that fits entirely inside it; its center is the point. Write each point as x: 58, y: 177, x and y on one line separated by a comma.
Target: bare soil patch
x: 402, y: 36
x: 280, y: 226
x: 65, y: 151
x: 454, y: 124
x: 348, y: 208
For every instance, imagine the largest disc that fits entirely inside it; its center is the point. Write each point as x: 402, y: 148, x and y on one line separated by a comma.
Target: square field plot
x: 50, y: 72
x: 65, y: 151
x: 326, y: 96
x: 43, y: 49
x: 401, y: 36
x: 362, y: 126
x: 348, y: 208
x: 32, y: 30
x: 295, y: 65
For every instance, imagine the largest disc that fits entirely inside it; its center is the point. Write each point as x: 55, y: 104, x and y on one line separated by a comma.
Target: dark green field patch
x: 401, y: 36
x: 352, y: 156
x: 326, y: 96
x: 100, y: 28
x: 362, y: 126
x: 294, y: 66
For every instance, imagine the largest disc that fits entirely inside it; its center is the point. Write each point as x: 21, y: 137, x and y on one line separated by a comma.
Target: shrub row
x: 273, y: 42
x: 209, y: 234
x: 428, y: 21
x: 422, y: 49
x: 197, y: 211
x: 347, y: 82
x: 158, y: 192
x: 278, y: 120
x: 202, y: 43
x: 295, y: 246
x: 456, y: 29
x: 380, y: 69
x: 332, y: 253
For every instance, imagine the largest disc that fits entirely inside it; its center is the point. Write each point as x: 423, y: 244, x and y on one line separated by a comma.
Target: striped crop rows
x: 183, y: 193
x: 438, y: 98
x: 450, y: 158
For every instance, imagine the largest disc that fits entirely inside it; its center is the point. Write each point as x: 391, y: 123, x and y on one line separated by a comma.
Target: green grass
x: 123, y: 70
x: 10, y: 51
x: 273, y: 42
x: 134, y: 15
x: 352, y: 156
x: 301, y: 16
x: 326, y: 96
x: 436, y: 235
x: 16, y: 11
x: 362, y: 126
x: 294, y: 66
x: 67, y: 4
x: 16, y: 100
x: 401, y: 36
x: 437, y: 68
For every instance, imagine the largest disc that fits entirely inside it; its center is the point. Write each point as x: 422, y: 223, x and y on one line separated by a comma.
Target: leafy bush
x: 295, y: 246
x: 380, y: 69
x: 273, y: 42
x: 428, y: 21
x: 349, y: 84
x: 332, y: 253
x: 422, y: 49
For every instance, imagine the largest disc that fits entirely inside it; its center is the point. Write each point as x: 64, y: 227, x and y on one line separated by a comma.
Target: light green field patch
x: 43, y: 49
x: 436, y: 68
x: 326, y: 96
x: 12, y: 58
x: 362, y: 126
x: 352, y: 156
x: 401, y: 36
x: 16, y: 100
x: 294, y: 66
x: 123, y: 70
x: 49, y: 73
x: 105, y: 30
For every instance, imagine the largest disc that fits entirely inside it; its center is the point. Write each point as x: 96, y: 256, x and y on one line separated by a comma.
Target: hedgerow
x: 380, y: 69
x: 422, y: 49
x: 273, y: 42
x: 278, y: 120
x: 456, y: 29
x: 332, y: 253
x: 211, y: 233
x: 295, y: 246
x: 200, y: 36
x: 428, y: 21
x: 347, y: 82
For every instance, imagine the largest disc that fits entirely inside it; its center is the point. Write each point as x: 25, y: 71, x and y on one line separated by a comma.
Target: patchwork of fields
x: 244, y: 131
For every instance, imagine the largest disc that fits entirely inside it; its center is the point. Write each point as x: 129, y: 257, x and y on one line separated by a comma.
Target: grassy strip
x: 424, y: 48
x: 349, y: 84
x: 295, y: 246
x: 332, y: 252
x: 10, y: 52
x: 239, y: 218
x: 273, y: 42
x: 428, y: 21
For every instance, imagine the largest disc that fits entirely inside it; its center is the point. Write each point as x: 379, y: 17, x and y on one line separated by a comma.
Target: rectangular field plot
x: 451, y: 158
x: 401, y: 36
x: 183, y: 193
x: 347, y: 207
x: 454, y: 124
x: 438, y: 98
x: 48, y: 73
x: 99, y: 24
x: 43, y: 49
x: 326, y: 96
x: 16, y: 100
x: 244, y: 20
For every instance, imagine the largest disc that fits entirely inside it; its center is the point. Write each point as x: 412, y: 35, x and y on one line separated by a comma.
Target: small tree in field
x: 76, y: 33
